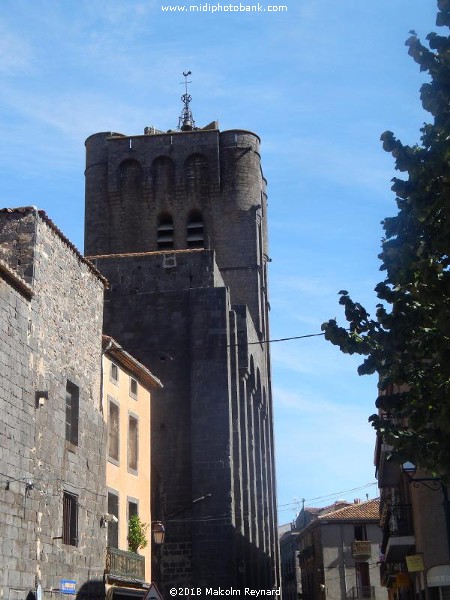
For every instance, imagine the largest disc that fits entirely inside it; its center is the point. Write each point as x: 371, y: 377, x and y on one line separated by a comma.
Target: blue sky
x: 319, y: 83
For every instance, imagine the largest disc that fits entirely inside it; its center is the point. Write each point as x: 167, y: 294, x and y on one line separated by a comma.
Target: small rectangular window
x: 132, y: 509
x: 114, y: 373
x: 133, y: 440
x: 360, y: 533
x: 70, y: 519
x: 113, y: 431
x: 72, y: 412
x: 133, y: 387
x: 113, y: 528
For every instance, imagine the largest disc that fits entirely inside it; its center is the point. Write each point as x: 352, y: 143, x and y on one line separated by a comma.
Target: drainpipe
x: 344, y: 572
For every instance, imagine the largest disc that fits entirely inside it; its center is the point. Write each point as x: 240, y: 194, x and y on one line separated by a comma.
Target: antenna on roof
x: 186, y: 121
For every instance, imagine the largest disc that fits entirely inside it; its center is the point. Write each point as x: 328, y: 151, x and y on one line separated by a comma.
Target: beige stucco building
x: 126, y: 399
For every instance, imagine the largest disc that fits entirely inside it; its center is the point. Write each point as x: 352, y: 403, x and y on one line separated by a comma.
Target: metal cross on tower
x: 186, y: 120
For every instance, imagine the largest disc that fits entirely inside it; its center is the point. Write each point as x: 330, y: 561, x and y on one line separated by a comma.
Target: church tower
x: 177, y: 223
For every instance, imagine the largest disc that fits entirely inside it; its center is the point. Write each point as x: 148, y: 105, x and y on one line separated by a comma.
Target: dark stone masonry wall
x: 199, y: 319
x: 17, y: 434
x: 50, y: 333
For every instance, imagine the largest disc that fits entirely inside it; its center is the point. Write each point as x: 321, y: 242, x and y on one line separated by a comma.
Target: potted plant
x: 137, y: 531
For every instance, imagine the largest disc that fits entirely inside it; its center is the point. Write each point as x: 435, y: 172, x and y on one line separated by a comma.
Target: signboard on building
x: 438, y: 576
x: 68, y: 587
x: 415, y: 563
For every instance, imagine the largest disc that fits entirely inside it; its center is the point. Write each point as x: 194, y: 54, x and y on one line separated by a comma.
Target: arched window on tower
x: 195, y: 230
x: 130, y: 180
x: 165, y: 231
x: 163, y: 170
x: 196, y: 174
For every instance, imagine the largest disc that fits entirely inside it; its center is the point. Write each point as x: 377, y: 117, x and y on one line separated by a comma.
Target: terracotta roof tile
x: 361, y: 510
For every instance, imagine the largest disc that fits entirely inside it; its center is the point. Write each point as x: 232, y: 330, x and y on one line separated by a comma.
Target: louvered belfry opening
x: 195, y: 230
x: 165, y: 231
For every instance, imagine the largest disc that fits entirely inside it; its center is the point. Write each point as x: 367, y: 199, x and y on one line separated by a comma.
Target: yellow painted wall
x: 119, y: 479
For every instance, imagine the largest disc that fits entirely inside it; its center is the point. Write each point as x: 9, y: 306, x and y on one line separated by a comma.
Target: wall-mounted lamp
x: 41, y: 398
x: 409, y: 468
x: 158, y: 532
x: 431, y: 483
x: 108, y: 518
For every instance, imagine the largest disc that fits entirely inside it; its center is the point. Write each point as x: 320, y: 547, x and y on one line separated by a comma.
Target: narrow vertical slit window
x: 113, y: 431
x: 133, y: 440
x: 72, y: 412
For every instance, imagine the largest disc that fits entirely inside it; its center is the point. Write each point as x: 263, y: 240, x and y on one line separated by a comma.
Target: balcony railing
x: 125, y: 565
x: 398, y: 533
x: 361, y: 550
x: 398, y: 520
x: 366, y: 592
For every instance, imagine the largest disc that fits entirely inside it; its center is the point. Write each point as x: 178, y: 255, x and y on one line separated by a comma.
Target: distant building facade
x: 127, y: 389
x: 338, y: 552
x: 52, y: 433
x: 290, y: 569
x: 177, y: 222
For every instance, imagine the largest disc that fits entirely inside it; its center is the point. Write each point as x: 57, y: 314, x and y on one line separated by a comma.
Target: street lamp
x: 159, y: 533
x: 432, y: 483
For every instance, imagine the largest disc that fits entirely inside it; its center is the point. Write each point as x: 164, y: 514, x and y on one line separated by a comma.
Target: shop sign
x: 67, y: 586
x: 438, y: 575
x: 415, y: 563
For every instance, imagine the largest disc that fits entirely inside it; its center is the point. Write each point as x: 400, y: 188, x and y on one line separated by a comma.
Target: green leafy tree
x: 137, y: 534
x: 408, y: 342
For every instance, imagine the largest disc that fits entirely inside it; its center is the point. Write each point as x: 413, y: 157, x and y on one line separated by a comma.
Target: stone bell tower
x: 177, y: 223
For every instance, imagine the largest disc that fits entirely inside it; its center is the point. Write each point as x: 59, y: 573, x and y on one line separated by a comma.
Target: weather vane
x: 186, y: 121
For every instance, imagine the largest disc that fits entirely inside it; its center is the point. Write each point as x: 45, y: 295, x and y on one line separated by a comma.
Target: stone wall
x: 52, y: 337
x: 17, y: 435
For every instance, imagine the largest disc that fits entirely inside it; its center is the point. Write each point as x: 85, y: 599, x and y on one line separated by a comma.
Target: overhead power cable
x: 294, y: 503
x: 232, y: 345
x: 285, y: 339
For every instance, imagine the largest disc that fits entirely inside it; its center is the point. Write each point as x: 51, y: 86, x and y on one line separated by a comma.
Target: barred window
x: 70, y: 519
